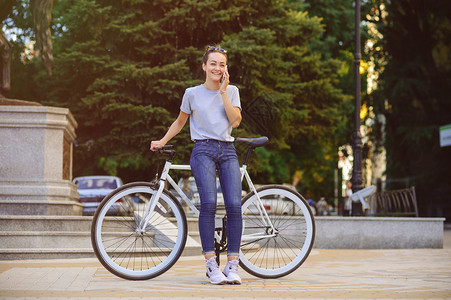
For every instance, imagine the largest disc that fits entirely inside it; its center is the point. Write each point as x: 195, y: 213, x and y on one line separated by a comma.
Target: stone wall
x: 36, y: 144
x: 378, y: 233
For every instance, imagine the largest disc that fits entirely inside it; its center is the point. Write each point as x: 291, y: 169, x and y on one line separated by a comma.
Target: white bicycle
x: 139, y: 230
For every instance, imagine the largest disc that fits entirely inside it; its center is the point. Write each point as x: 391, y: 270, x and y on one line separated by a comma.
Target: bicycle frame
x: 166, y: 177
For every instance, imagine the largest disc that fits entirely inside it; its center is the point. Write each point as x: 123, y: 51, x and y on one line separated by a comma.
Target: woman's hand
x: 225, y: 81
x: 173, y: 130
x: 156, y: 144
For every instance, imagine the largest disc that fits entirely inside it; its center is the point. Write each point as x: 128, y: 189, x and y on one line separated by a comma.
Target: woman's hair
x: 211, y: 49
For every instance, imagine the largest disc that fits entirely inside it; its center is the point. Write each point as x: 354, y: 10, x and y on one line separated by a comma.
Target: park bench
x: 400, y: 203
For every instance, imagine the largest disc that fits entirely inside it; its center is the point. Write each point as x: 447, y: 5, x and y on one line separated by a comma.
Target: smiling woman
x: 214, y: 109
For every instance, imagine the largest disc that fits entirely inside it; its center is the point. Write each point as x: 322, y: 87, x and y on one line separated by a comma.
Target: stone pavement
x: 327, y: 274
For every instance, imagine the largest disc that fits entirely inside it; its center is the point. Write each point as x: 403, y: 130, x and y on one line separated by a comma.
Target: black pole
x: 357, y: 176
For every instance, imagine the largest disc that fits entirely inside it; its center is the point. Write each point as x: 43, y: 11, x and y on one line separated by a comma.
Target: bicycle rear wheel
x: 120, y: 245
x: 275, y: 251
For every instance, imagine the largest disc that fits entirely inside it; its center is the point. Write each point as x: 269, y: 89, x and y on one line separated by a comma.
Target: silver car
x: 92, y: 189
x: 190, y: 188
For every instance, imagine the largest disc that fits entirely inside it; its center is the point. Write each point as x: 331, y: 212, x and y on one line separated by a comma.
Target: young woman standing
x: 214, y: 109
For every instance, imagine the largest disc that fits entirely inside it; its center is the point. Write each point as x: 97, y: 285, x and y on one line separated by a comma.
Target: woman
x: 214, y: 109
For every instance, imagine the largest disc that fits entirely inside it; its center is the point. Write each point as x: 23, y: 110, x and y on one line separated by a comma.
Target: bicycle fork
x: 154, y: 199
x: 261, y: 209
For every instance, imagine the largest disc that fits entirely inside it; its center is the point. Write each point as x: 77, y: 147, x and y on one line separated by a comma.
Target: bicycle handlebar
x: 252, y: 143
x: 166, y: 149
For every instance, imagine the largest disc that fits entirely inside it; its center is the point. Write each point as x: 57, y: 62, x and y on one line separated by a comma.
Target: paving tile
x: 327, y: 274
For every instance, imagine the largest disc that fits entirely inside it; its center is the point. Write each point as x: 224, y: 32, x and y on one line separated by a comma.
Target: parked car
x: 92, y: 189
x: 193, y: 194
x: 275, y: 205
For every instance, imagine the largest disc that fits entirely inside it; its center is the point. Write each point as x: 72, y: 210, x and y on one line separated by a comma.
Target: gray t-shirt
x: 208, y: 119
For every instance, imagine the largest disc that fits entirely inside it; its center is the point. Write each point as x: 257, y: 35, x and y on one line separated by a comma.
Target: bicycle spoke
x: 127, y: 250
x: 286, y: 230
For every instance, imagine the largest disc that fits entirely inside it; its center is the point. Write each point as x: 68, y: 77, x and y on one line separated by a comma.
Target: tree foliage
x: 414, y: 95
x: 122, y: 68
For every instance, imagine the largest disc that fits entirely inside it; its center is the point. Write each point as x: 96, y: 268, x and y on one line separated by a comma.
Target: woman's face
x: 215, y: 66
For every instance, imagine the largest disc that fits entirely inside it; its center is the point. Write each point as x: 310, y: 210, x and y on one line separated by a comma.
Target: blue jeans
x: 207, y: 157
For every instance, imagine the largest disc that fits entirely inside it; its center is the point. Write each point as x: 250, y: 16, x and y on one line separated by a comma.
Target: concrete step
x: 193, y: 224
x: 191, y: 248
x: 63, y: 223
x: 68, y: 236
x: 45, y: 223
x: 45, y: 239
x: 45, y: 253
x: 59, y: 253
x: 195, y: 236
x: 41, y: 237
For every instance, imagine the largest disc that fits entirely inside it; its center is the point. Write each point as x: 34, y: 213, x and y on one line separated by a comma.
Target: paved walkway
x: 338, y: 274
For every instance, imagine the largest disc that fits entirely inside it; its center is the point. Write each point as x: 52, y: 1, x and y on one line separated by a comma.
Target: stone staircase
x: 45, y: 237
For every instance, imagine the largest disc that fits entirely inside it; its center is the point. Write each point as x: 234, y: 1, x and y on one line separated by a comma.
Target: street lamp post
x: 357, y: 176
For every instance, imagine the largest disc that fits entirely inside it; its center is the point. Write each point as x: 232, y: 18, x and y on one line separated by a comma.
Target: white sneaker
x: 231, y: 271
x: 216, y: 276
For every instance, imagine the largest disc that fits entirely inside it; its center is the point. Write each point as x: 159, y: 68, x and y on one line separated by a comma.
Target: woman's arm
x: 175, y: 128
x: 233, y: 113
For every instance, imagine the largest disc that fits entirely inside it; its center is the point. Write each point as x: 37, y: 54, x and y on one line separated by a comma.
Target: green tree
x: 415, y: 97
x: 122, y: 68
x: 337, y: 16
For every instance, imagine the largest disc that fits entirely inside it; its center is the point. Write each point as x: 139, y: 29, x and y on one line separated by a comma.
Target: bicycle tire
x: 283, y: 253
x: 127, y: 252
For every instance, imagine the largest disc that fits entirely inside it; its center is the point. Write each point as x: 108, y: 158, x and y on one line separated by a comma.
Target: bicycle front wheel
x: 123, y: 247
x: 278, y: 231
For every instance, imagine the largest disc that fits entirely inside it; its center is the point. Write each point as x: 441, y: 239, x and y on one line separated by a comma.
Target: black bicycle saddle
x: 253, y: 142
